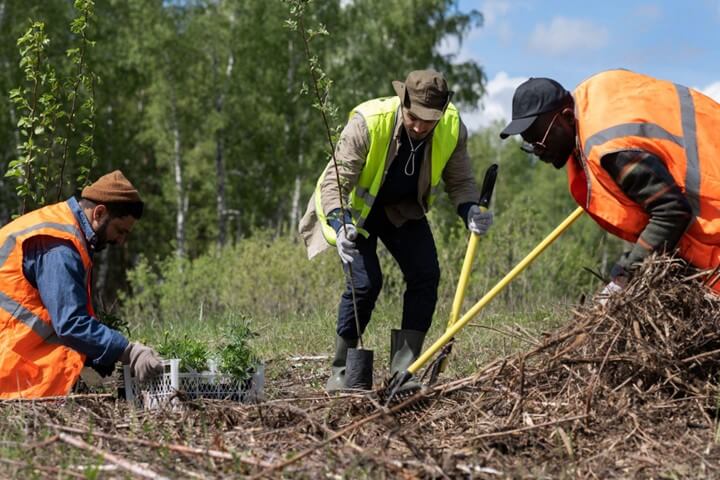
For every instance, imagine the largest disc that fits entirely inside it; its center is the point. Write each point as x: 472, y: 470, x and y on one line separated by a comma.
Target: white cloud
x: 494, y: 10
x: 566, y: 35
x: 712, y: 91
x: 495, y: 19
x: 497, y: 103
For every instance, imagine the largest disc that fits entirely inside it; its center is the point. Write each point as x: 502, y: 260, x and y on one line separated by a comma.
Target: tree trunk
x: 295, y: 207
x: 219, y: 159
x: 220, y: 193
x: 180, y: 197
x: 290, y: 119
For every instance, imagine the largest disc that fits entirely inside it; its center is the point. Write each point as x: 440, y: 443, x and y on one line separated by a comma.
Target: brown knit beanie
x: 111, y: 188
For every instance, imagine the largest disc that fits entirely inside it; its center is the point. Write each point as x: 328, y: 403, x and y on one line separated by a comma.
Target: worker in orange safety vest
x: 48, y: 329
x: 642, y: 156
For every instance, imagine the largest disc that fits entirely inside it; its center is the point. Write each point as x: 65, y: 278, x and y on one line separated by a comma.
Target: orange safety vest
x: 621, y: 110
x: 33, y: 362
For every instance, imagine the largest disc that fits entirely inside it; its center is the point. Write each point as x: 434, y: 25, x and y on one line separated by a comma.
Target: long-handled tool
x: 401, y: 377
x: 486, y: 193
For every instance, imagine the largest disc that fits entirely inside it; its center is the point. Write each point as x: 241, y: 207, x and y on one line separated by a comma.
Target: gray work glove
x: 346, y: 244
x: 479, y: 220
x: 145, y: 363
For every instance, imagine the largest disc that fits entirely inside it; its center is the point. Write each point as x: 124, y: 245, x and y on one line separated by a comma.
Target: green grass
x: 277, y: 339
x: 290, y: 303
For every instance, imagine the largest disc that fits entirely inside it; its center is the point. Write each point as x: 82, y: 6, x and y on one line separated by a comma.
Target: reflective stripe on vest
x: 33, y: 322
x: 621, y: 110
x: 33, y: 362
x: 380, y: 117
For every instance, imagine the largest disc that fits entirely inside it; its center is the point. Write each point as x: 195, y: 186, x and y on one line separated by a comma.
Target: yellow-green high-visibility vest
x: 379, y: 115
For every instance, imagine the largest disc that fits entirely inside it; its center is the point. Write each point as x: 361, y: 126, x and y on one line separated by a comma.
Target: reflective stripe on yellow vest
x: 380, y: 118
x: 621, y: 110
x: 33, y: 363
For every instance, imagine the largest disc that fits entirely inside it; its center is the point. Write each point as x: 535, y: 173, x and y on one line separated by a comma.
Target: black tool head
x: 488, y: 185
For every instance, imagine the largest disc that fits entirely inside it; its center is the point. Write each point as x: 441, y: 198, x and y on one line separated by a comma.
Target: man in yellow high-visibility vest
x: 392, y: 154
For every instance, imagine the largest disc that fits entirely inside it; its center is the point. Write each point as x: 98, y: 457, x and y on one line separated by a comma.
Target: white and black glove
x: 345, y: 243
x: 145, y: 363
x: 609, y: 290
x: 479, y: 220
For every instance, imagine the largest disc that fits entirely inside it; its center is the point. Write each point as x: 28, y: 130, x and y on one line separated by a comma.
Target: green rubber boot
x: 405, y: 348
x: 337, y: 375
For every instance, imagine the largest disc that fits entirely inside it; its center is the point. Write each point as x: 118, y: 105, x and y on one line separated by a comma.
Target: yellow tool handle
x: 464, y: 277
x: 462, y: 286
x: 457, y: 326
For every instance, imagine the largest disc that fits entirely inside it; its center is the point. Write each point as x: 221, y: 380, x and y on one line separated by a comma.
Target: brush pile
x: 625, y: 389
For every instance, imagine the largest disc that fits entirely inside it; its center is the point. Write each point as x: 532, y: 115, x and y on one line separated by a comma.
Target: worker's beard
x: 558, y: 162
x: 558, y: 157
x: 101, y: 241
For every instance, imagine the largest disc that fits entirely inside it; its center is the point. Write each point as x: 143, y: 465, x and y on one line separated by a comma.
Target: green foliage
x: 264, y: 277
x: 237, y: 358
x: 200, y: 105
x: 40, y: 109
x: 227, y: 342
x: 84, y: 114
x: 321, y: 83
x: 192, y: 352
x: 52, y: 111
x: 114, y: 321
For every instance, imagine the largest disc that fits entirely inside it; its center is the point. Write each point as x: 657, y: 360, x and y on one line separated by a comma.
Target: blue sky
x: 676, y: 40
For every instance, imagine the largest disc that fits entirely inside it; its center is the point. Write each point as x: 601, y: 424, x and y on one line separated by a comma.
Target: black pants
x: 413, y: 248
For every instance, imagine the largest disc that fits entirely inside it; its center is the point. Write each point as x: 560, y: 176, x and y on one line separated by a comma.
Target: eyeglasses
x: 538, y: 148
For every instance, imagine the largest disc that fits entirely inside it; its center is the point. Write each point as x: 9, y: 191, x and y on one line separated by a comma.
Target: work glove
x: 609, y: 290
x: 345, y: 243
x: 479, y: 220
x: 145, y: 363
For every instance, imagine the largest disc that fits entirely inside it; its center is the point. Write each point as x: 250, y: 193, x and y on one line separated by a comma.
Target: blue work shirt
x: 54, y: 267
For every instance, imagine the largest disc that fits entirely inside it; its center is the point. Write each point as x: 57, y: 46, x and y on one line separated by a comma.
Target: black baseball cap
x: 532, y: 98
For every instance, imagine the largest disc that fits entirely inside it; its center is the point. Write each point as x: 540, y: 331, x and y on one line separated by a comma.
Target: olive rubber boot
x: 337, y: 375
x: 405, y: 348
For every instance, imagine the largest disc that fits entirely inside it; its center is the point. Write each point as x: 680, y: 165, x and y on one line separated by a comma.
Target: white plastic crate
x: 173, y: 385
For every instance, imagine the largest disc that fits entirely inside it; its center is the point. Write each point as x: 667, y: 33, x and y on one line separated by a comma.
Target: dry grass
x: 624, y: 390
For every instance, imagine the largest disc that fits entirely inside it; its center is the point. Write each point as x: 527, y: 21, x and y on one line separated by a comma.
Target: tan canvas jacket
x: 351, y: 152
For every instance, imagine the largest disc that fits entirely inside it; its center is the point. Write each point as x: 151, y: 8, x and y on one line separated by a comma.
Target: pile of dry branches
x: 625, y: 389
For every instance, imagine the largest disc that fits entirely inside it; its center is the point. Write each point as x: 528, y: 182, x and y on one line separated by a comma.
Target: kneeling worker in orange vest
x: 642, y: 156
x: 48, y: 330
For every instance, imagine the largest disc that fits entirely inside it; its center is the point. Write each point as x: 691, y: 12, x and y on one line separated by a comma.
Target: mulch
x: 625, y: 389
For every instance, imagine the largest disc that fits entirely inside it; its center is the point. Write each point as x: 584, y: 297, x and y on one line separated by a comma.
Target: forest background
x: 201, y: 105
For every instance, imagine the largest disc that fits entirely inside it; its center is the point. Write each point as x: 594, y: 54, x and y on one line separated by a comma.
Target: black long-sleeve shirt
x: 644, y: 179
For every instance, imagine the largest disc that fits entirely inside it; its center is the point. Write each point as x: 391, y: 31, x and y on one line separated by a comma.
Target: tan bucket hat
x: 424, y: 93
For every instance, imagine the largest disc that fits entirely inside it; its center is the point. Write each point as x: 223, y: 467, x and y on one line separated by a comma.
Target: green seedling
x: 193, y: 354
x: 237, y: 359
